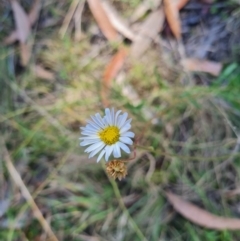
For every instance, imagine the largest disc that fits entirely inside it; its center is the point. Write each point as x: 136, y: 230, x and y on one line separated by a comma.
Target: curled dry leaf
x: 172, y: 14
x: 102, y: 19
x: 211, y: 67
x: 118, y: 23
x: 148, y: 32
x: 172, y: 8
x: 21, y: 21
x: 111, y: 71
x: 201, y: 217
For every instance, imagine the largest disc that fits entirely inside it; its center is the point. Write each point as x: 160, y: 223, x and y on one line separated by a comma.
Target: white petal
x: 106, y: 157
x: 87, y: 128
x: 116, y: 117
x: 112, y: 115
x: 93, y: 137
x: 108, y: 116
x: 94, y: 146
x: 91, y: 128
x: 88, y: 142
x: 93, y: 153
x: 100, y: 155
x: 125, y: 128
x: 100, y: 119
x: 97, y: 121
x: 123, y: 119
x: 128, y: 134
x: 128, y: 121
x: 105, y: 121
x: 94, y: 125
x: 116, y: 150
x: 109, y: 150
x: 124, y: 147
x: 88, y: 133
x: 119, y: 119
x: 126, y: 140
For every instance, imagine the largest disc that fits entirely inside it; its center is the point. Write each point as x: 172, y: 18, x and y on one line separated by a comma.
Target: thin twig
x: 68, y: 18
x: 45, y: 183
x: 78, y: 21
x: 26, y: 194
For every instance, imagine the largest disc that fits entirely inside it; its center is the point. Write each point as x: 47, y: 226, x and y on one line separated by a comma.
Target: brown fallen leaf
x: 181, y: 3
x: 114, y: 66
x: 198, y: 65
x: 11, y: 38
x: 148, y: 32
x: 42, y: 73
x: 32, y: 17
x: 201, y: 217
x: 118, y: 23
x: 102, y: 20
x: 21, y: 21
x: 23, y: 24
x: 34, y: 12
x: 172, y: 15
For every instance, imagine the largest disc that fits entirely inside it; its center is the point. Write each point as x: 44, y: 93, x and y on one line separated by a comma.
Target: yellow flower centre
x: 110, y: 135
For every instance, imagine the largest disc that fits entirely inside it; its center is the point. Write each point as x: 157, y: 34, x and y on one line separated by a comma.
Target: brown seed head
x: 116, y: 169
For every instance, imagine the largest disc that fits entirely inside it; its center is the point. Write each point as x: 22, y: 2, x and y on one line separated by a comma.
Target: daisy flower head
x: 107, y: 135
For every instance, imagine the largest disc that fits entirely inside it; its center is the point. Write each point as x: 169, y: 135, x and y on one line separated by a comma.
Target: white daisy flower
x: 107, y: 135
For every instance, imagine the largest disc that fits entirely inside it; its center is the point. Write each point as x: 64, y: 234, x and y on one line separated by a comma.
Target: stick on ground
x: 26, y: 194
